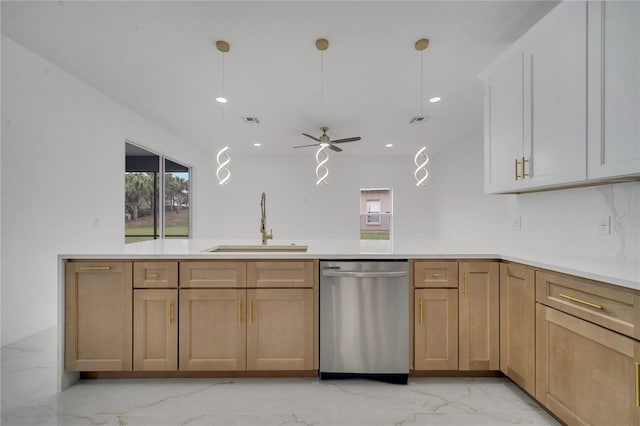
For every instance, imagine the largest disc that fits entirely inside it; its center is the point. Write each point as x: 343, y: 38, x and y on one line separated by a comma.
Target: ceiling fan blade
x: 357, y: 138
x: 312, y: 137
x: 302, y: 146
x: 335, y: 148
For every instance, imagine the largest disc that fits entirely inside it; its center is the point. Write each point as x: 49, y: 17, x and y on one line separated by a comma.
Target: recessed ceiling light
x: 389, y: 145
x: 435, y: 99
x: 257, y: 144
x: 221, y: 99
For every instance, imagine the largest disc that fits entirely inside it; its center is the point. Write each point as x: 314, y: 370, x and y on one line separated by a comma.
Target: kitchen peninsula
x: 472, y: 311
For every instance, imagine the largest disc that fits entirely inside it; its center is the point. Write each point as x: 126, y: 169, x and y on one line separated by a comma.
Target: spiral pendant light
x: 223, y: 174
x: 421, y: 158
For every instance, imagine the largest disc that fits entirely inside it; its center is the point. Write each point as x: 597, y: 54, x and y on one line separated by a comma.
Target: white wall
x: 62, y: 166
x: 298, y: 209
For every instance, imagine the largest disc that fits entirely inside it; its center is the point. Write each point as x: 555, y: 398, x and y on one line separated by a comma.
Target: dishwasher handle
x: 355, y: 274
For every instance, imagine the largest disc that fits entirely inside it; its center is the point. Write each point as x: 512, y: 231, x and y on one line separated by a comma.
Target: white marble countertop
x: 624, y: 273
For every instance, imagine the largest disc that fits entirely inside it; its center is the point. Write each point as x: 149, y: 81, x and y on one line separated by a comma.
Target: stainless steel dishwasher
x: 364, y: 320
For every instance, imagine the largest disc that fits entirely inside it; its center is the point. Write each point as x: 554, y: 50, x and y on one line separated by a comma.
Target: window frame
x: 159, y: 231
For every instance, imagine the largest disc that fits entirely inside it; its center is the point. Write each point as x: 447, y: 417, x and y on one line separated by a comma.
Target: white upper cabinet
x: 555, y: 99
x: 503, y: 126
x: 614, y: 89
x: 571, y: 86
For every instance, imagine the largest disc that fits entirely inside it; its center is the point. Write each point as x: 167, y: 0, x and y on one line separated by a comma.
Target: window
x: 375, y: 219
x: 373, y: 212
x: 152, y: 181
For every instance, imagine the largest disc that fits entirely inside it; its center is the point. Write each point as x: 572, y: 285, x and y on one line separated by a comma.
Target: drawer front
x: 280, y: 274
x: 435, y: 274
x: 612, y: 307
x: 155, y: 274
x: 213, y: 274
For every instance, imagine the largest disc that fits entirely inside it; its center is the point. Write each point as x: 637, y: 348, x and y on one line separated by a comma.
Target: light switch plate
x: 604, y: 225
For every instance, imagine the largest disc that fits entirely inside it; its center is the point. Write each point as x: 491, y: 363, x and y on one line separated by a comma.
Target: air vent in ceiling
x: 416, y: 120
x: 251, y: 120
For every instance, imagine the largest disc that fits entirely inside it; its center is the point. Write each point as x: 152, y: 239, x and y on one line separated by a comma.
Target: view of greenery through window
x: 143, y: 189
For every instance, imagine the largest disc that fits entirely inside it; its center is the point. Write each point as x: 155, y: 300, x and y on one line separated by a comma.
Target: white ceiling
x: 159, y: 59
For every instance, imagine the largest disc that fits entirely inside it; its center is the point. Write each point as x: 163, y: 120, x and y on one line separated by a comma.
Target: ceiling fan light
x: 222, y: 99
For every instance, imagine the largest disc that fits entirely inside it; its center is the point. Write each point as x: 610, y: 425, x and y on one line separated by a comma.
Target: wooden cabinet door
x: 614, y: 89
x: 503, y: 139
x: 517, y: 325
x: 155, y: 330
x: 479, y: 326
x: 585, y: 374
x: 155, y: 274
x: 555, y: 101
x: 98, y: 316
x: 436, y: 329
x: 280, y: 273
x: 213, y: 274
x: 435, y: 274
x: 212, y: 329
x: 280, y: 329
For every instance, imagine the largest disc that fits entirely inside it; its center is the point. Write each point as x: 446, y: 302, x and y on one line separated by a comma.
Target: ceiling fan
x: 324, y: 139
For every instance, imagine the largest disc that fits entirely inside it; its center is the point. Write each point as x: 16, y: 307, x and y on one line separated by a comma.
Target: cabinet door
x: 155, y: 274
x: 155, y: 330
x: 585, y: 374
x: 98, y: 316
x: 517, y: 325
x: 555, y: 106
x: 436, y: 329
x: 280, y: 329
x: 435, y: 274
x: 503, y: 139
x: 212, y: 330
x: 479, y: 316
x: 213, y: 274
x: 280, y: 273
x: 614, y: 89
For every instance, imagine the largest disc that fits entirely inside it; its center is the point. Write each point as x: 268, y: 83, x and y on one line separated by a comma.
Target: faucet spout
x: 263, y: 220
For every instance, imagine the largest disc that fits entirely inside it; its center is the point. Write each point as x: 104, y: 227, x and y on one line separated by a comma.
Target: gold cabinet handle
x: 250, y: 312
x: 95, y: 268
x: 465, y: 283
x: 637, y: 384
x: 517, y: 163
x: 170, y: 312
x: 573, y: 299
x: 436, y: 275
x: 154, y: 276
x: 524, y: 167
x: 239, y: 312
x: 420, y: 311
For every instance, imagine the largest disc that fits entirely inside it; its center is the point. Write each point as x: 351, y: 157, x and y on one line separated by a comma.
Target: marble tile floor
x: 29, y: 398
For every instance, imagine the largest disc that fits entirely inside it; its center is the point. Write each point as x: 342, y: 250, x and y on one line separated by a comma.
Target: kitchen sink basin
x: 259, y: 249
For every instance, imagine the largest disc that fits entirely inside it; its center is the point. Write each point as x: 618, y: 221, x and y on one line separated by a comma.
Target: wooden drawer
x: 155, y: 274
x: 213, y: 274
x: 280, y: 274
x: 438, y: 274
x: 615, y: 308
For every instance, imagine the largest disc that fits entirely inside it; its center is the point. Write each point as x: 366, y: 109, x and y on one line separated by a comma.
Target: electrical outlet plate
x: 516, y: 223
x: 604, y: 225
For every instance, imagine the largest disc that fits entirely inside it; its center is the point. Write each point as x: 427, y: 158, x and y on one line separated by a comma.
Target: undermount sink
x: 258, y: 248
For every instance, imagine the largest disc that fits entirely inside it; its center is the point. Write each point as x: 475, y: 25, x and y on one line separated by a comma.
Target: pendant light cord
x: 421, y: 95
x: 322, y: 88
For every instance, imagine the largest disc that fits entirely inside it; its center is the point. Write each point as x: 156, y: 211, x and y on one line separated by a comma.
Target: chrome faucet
x: 263, y: 221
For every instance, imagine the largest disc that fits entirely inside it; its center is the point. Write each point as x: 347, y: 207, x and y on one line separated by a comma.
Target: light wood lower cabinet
x: 436, y: 329
x: 479, y: 309
x: 155, y: 330
x: 280, y: 329
x: 212, y: 330
x: 585, y: 373
x: 517, y: 325
x: 98, y: 316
